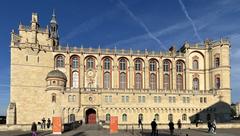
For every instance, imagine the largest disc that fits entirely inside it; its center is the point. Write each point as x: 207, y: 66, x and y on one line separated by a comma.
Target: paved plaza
x: 94, y: 130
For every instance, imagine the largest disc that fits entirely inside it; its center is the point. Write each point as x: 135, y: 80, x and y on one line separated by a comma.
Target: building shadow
x: 220, y: 111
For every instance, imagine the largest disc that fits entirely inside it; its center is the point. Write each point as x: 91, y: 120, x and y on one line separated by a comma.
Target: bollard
x: 132, y: 129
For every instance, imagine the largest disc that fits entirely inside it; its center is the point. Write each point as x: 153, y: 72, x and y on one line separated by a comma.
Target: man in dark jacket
x: 154, y: 127
x: 171, y: 127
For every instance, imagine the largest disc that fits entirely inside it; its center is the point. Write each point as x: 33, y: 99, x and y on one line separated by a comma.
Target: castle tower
x: 56, y: 84
x: 54, y: 30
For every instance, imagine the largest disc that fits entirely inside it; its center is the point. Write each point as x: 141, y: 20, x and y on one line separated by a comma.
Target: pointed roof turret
x: 53, y: 20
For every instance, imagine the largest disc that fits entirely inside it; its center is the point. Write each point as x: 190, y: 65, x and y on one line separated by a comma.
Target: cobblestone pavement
x: 94, y: 130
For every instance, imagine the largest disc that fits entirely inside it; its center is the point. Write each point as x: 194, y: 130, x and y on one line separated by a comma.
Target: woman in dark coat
x: 34, y: 129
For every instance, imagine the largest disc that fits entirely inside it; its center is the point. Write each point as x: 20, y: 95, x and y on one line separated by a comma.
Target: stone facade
x: 192, y: 83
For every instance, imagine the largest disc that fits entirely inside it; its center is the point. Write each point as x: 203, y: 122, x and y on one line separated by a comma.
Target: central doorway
x: 90, y: 116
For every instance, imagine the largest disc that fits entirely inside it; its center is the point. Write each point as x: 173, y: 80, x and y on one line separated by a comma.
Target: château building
x: 92, y: 84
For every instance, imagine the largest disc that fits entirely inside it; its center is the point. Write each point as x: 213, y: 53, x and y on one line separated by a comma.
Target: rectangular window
x: 184, y: 99
x: 201, y: 100
x: 172, y: 99
x: 157, y: 99
x: 125, y: 99
x: 205, y: 99
x: 141, y: 99
x: 188, y: 99
x: 108, y: 99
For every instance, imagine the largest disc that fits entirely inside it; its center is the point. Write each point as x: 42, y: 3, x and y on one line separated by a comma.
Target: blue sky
x: 136, y: 24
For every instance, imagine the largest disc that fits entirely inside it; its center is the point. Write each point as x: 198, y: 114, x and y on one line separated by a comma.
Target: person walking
x: 179, y: 127
x: 43, y: 122
x: 209, y: 124
x: 171, y: 127
x: 34, y: 129
x: 214, y: 127
x: 48, y: 123
x: 140, y: 125
x: 154, y: 127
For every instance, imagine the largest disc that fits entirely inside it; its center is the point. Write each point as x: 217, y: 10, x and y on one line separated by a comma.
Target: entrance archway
x: 90, y: 116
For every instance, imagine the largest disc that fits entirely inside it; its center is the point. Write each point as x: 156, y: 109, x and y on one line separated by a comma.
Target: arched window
x: 216, y: 60
x: 138, y: 65
x: 138, y: 81
x: 152, y: 66
x: 107, y: 64
x: 106, y: 80
x: 166, y: 82
x: 75, y: 63
x: 217, y: 82
x: 156, y: 116
x: 75, y: 79
x: 184, y: 117
x: 179, y: 66
x: 195, y: 84
x: 90, y: 63
x: 195, y: 64
x: 74, y: 98
x: 123, y: 64
x: 69, y: 98
x: 179, y: 82
x: 140, y: 116
x: 72, y: 118
x: 124, y: 117
x: 60, y: 61
x: 54, y: 97
x: 108, y: 117
x: 170, y: 117
x: 153, y: 81
x: 166, y: 66
x: 123, y: 81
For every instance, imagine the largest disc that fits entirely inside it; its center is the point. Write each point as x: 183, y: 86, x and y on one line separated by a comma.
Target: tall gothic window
x: 195, y: 84
x: 138, y: 65
x: 54, y: 97
x: 106, y: 80
x: 179, y: 82
x: 90, y: 63
x: 217, y: 82
x: 184, y: 117
x: 123, y: 81
x: 153, y: 81
x: 166, y: 66
x: 170, y: 117
x: 156, y: 116
x: 59, y: 61
x: 108, y: 117
x: 195, y: 64
x: 152, y: 66
x: 138, y: 81
x: 107, y: 63
x: 166, y: 82
x: 217, y: 61
x: 75, y: 79
x: 75, y: 63
x: 179, y: 66
x: 122, y: 64
x: 124, y: 117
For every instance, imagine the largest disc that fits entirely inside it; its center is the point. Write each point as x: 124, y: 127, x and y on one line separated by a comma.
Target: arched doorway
x: 208, y: 117
x: 90, y: 116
